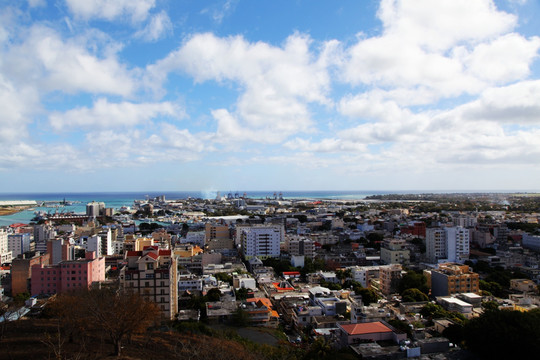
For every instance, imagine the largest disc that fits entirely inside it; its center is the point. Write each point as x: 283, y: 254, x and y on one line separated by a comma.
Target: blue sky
x: 140, y: 95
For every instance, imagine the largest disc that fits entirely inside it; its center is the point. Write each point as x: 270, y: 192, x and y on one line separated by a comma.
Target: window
x: 149, y: 266
x: 128, y: 277
x: 147, y: 283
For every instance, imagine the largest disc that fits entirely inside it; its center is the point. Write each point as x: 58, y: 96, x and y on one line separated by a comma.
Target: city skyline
x: 162, y: 95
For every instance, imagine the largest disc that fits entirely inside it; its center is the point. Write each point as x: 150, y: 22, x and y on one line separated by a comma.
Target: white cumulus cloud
x: 137, y: 10
x: 104, y: 114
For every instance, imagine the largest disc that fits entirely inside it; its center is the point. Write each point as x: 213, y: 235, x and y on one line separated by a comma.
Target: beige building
x: 523, y: 285
x: 297, y: 245
x: 389, y: 277
x: 153, y: 274
x: 218, y: 237
x: 394, y: 252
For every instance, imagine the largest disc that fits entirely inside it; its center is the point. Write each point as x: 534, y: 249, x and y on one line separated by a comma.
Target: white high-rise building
x: 450, y: 244
x: 5, y: 254
x: 457, y: 244
x: 261, y: 241
x: 107, y: 247
x: 94, y: 243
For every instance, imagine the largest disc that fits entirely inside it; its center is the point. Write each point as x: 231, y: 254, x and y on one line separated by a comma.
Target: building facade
x: 450, y: 244
x: 389, y: 277
x: 67, y: 275
x: 261, y: 241
x: 394, y: 252
x: 21, y: 272
x: 18, y: 244
x: 451, y: 278
x: 153, y: 274
x: 5, y: 254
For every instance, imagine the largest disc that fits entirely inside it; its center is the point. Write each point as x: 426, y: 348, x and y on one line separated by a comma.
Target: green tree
x: 343, y: 275
x: 401, y: 325
x: 369, y: 296
x: 213, y: 294
x: 504, y: 334
x: 320, y: 349
x: 433, y: 311
x: 413, y: 295
x: 454, y: 333
x: 413, y: 280
x: 241, y: 294
x: 224, y: 277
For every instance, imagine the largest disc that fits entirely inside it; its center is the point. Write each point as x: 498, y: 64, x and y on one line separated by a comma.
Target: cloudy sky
x: 140, y: 95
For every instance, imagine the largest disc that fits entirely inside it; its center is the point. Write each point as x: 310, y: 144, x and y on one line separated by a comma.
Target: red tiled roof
x: 276, y: 285
x: 153, y: 255
x: 263, y: 301
x: 366, y: 328
x: 291, y: 273
x: 165, y: 252
x: 150, y: 247
x: 17, y: 225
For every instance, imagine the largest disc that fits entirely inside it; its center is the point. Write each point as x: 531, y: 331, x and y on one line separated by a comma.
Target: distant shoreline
x: 6, y: 211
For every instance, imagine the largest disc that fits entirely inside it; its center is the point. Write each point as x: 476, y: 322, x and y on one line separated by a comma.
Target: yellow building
x: 187, y: 250
x: 451, y: 278
x: 132, y: 243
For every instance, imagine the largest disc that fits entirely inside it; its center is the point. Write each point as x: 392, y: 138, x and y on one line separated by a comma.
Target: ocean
x: 118, y: 199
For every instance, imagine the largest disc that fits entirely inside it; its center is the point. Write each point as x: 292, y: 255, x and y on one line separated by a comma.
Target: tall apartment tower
x: 5, y: 254
x: 435, y: 244
x: 457, y: 244
x: 153, y: 274
x: 449, y: 244
x: 261, y: 241
x: 18, y: 244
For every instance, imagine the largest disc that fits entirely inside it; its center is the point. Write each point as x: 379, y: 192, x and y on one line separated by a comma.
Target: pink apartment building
x: 67, y: 275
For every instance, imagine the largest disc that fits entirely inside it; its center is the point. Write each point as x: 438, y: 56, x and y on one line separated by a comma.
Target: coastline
x: 76, y: 202
x: 13, y: 210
